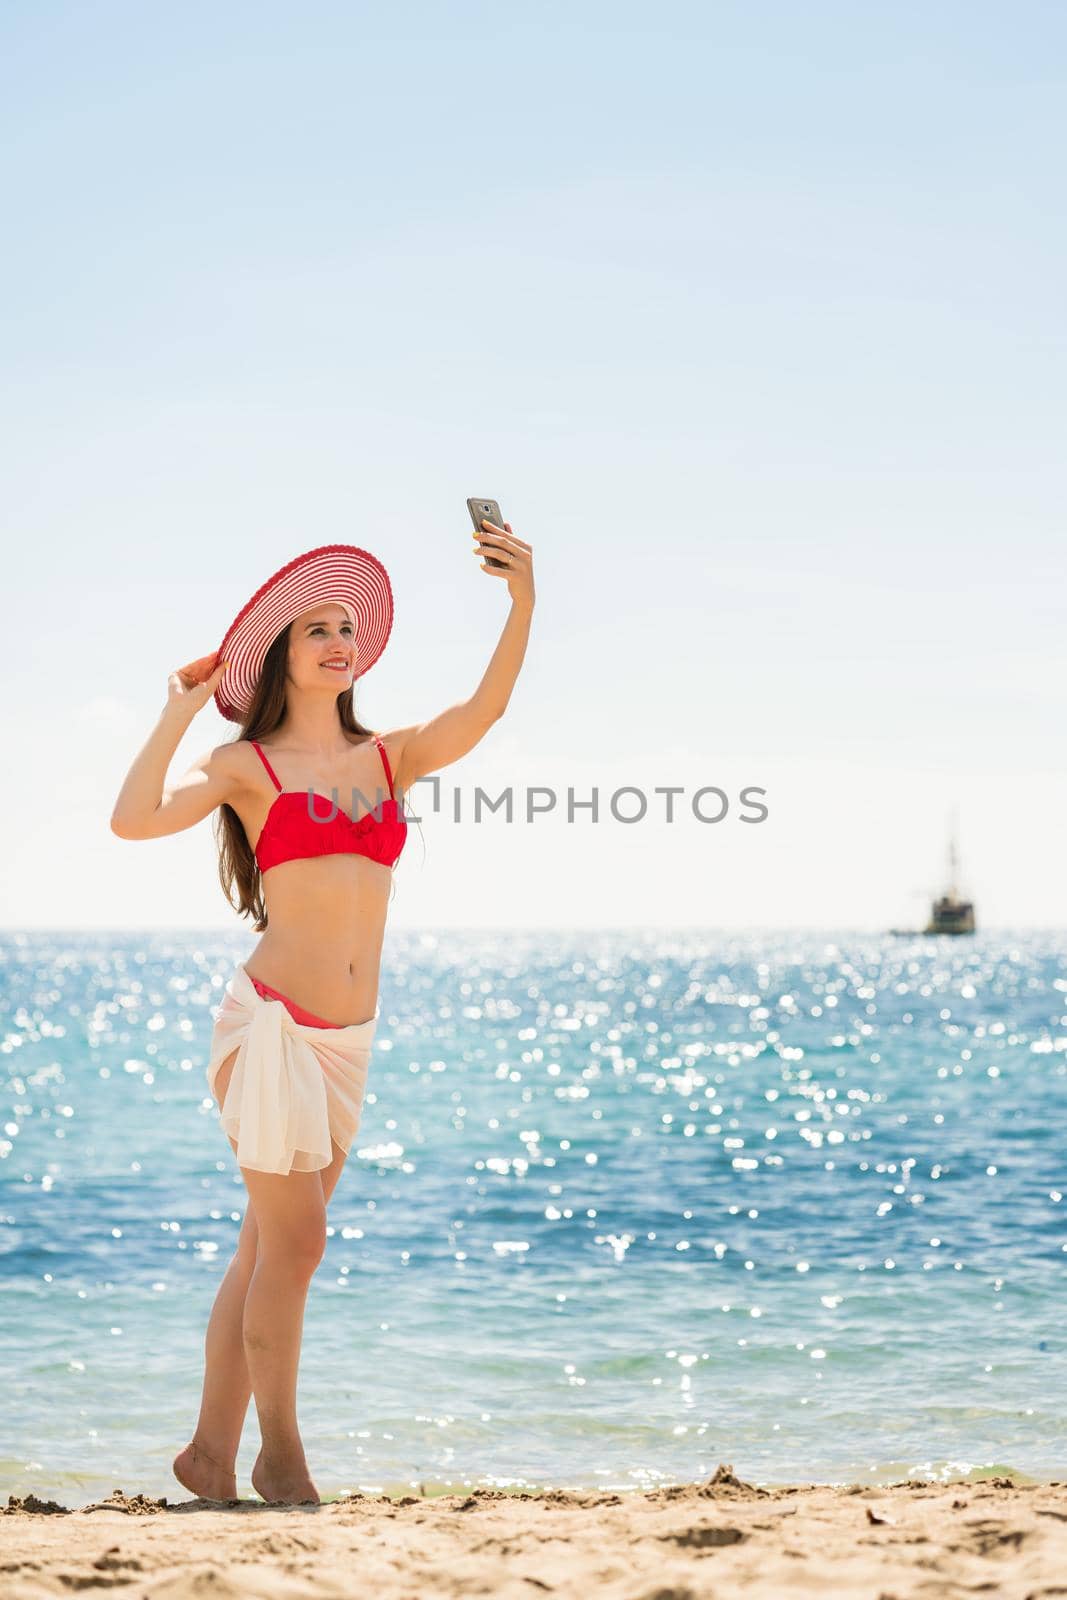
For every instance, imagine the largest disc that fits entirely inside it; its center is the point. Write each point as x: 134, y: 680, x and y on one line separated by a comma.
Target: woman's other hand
x: 192, y: 686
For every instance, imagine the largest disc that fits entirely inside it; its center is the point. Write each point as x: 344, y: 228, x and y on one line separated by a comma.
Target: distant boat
x: 949, y: 913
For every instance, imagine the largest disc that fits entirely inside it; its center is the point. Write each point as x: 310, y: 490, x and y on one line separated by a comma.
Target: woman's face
x: 322, y: 648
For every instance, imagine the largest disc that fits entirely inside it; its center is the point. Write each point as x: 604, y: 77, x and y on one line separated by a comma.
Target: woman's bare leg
x: 206, y: 1465
x: 291, y: 1215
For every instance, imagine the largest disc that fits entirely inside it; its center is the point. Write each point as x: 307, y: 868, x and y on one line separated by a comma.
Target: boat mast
x: 953, y: 859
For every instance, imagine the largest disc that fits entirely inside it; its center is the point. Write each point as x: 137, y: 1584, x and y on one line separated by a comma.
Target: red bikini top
x: 296, y: 827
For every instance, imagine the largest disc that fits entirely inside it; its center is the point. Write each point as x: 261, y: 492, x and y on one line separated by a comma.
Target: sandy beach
x: 720, y: 1537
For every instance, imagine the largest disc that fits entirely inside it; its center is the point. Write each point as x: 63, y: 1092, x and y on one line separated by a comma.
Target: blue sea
x: 623, y: 1206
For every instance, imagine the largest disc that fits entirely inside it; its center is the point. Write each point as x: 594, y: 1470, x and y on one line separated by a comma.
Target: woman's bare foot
x: 288, y: 1481
x: 202, y: 1475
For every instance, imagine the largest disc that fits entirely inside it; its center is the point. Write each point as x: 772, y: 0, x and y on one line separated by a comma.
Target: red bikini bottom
x: 307, y: 1019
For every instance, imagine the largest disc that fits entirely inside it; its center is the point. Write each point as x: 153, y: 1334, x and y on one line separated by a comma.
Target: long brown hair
x: 242, y: 883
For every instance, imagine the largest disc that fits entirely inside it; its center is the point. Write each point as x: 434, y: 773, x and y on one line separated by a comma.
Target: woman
x: 292, y: 1037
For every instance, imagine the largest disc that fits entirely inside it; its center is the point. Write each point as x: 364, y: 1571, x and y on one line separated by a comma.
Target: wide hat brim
x: 342, y: 573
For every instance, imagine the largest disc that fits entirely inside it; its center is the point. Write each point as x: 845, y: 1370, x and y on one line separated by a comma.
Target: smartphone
x: 492, y: 513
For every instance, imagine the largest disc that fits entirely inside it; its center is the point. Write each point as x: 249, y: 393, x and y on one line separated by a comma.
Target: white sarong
x: 293, y: 1088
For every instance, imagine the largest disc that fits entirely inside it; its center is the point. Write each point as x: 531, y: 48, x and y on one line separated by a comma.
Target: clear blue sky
x: 750, y: 315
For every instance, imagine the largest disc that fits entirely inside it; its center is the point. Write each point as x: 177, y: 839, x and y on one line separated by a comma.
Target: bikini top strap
x: 385, y: 764
x: 267, y: 764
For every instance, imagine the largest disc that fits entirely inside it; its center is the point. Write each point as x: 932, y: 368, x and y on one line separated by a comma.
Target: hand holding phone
x: 490, y: 512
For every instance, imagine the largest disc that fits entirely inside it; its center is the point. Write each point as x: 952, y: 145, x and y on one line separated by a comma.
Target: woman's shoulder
x: 359, y: 741
x: 394, y: 741
x: 239, y: 761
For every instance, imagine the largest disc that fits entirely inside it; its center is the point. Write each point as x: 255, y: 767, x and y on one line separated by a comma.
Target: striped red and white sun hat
x: 342, y: 573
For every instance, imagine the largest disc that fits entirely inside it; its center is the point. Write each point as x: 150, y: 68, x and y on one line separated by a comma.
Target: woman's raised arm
x: 427, y: 746
x: 144, y: 809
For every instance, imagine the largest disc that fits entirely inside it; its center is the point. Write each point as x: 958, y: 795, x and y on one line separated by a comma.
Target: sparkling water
x: 623, y: 1206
